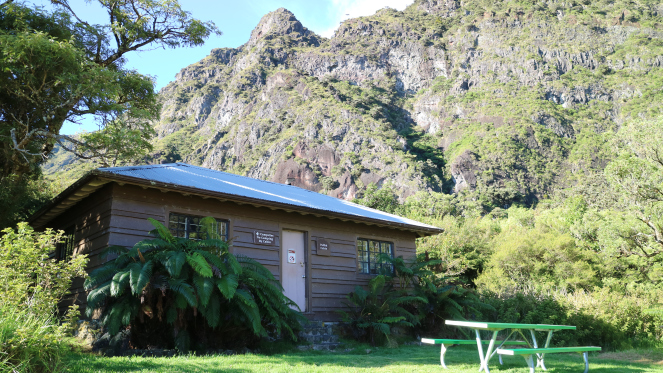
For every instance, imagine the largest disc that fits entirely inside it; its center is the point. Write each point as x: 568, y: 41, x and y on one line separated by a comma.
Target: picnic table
x: 515, y: 329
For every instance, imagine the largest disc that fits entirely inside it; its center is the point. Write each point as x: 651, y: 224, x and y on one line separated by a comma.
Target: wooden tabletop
x: 500, y: 325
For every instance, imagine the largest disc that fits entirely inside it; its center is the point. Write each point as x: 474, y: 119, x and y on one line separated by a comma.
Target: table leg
x: 476, y: 331
x: 539, y: 361
x: 485, y: 358
x: 584, y: 356
x: 539, y: 357
x: 530, y: 362
x: 443, y: 350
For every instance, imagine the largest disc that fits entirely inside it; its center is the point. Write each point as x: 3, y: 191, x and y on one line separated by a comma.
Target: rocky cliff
x: 511, y: 98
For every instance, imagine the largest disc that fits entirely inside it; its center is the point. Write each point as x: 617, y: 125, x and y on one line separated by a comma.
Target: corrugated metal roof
x: 230, y: 184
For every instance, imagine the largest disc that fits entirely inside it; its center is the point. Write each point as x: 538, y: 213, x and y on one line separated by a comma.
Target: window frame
x: 372, y: 267
x: 187, y: 231
x: 64, y: 250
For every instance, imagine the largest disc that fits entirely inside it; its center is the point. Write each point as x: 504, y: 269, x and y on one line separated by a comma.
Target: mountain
x: 514, y: 99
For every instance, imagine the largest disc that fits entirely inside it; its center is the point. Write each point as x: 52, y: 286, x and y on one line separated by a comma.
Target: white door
x: 293, y: 268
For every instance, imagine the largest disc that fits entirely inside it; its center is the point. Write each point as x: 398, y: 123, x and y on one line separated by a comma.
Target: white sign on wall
x: 291, y: 257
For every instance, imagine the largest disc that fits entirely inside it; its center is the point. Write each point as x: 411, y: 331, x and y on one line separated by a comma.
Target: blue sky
x: 235, y: 19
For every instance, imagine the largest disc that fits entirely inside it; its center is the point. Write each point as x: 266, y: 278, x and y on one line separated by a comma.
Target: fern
x: 119, y: 283
x: 204, y: 288
x: 144, y: 276
x: 161, y: 231
x: 175, y: 263
x: 227, y: 285
x: 176, y: 282
x: 199, y: 264
x: 185, y: 290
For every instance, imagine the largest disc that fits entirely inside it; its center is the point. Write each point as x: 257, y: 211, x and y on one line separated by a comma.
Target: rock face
x: 444, y: 96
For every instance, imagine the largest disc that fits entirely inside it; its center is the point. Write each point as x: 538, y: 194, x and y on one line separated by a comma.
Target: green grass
x: 403, y: 359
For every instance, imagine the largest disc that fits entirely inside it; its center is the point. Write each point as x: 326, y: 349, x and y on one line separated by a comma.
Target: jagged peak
x: 279, y: 22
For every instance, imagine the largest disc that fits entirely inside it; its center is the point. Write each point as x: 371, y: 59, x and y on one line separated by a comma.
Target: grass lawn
x: 368, y: 359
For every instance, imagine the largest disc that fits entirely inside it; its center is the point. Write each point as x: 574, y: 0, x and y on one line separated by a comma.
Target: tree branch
x: 4, y: 4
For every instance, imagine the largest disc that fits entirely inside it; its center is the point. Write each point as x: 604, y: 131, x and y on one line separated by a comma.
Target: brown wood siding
x: 330, y: 278
x: 91, y: 218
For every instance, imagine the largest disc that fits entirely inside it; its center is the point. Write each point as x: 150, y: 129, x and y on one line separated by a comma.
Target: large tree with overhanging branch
x: 57, y: 67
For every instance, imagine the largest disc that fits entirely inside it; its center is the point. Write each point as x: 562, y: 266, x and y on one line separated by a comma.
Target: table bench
x: 528, y: 352
x: 451, y: 342
x: 515, y: 328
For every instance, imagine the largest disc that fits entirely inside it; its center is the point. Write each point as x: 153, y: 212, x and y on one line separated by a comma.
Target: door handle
x: 303, y: 276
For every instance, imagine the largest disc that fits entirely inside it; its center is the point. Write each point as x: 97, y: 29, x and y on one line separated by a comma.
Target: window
x: 65, y: 248
x: 187, y: 226
x: 368, y: 256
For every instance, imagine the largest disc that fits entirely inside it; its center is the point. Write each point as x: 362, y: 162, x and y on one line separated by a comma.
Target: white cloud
x: 340, y: 10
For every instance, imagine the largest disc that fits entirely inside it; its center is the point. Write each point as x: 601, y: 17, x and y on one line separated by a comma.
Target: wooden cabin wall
x: 331, y: 278
x: 90, y: 219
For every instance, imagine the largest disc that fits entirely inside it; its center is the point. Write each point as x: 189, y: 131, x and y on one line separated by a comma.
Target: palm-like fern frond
x: 175, y: 281
x: 199, y: 264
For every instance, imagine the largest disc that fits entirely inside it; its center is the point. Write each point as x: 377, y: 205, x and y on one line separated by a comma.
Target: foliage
x: 603, y: 317
x: 530, y: 256
x: 374, y: 311
x: 28, y: 278
x: 446, y: 297
x: 56, y: 67
x: 31, y: 341
x: 177, y: 292
x: 637, y: 175
x: 20, y: 197
x: 382, y: 199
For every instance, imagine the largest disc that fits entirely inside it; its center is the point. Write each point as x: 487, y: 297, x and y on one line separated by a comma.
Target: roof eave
x: 422, y: 231
x: 100, y: 178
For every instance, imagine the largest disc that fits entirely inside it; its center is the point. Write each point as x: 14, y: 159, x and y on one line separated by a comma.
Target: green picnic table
x: 515, y: 329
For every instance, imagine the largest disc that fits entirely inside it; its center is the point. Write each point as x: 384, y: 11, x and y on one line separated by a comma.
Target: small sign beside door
x: 323, y: 247
x: 263, y: 238
x: 292, y: 259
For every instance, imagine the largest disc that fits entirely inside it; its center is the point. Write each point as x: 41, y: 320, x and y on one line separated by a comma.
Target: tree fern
x: 199, y: 264
x: 183, y: 289
x: 175, y: 281
x: 175, y: 263
x: 144, y: 276
x: 204, y: 288
x: 160, y: 231
x: 119, y: 283
x: 227, y: 285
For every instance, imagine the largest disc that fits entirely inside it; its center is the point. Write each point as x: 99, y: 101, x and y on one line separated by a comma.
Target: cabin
x: 318, y: 247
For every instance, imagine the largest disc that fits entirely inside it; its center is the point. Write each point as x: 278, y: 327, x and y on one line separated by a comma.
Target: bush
x: 445, y: 297
x: 28, y: 278
x: 603, y: 318
x: 31, y: 342
x: 174, y: 291
x: 375, y: 311
x: 31, y: 286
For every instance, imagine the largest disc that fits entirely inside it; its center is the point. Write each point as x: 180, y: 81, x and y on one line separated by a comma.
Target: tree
x: 637, y: 175
x: 56, y: 67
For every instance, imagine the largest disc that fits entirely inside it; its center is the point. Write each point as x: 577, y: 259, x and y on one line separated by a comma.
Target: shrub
x: 28, y: 278
x: 603, y: 318
x: 373, y: 312
x: 171, y: 291
x: 31, y: 286
x: 444, y: 296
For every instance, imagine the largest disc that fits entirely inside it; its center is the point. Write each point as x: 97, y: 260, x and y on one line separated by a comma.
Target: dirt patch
x: 644, y: 357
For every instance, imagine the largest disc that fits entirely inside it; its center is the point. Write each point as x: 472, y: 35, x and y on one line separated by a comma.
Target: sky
x: 236, y: 20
